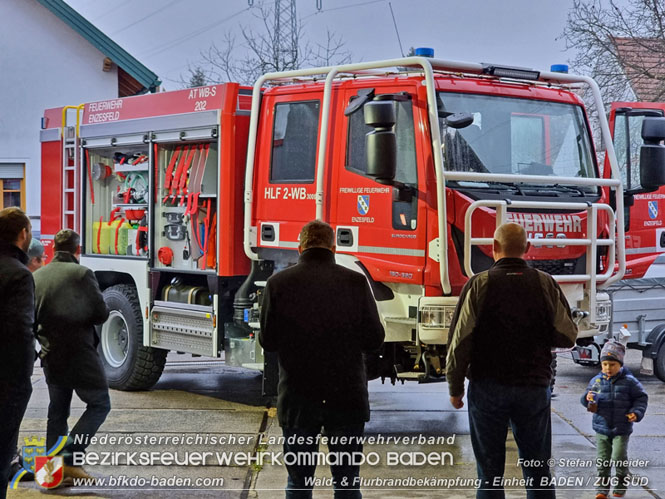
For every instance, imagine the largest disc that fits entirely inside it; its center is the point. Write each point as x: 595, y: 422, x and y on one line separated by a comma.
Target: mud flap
x: 646, y: 367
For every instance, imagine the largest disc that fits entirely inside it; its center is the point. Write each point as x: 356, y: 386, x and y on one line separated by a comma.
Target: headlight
x: 436, y: 316
x: 603, y: 311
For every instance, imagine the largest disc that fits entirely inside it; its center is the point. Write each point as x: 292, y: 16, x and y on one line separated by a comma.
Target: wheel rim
x: 115, y: 339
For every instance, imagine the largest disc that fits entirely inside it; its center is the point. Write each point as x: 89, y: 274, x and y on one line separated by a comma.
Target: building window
x: 12, y: 185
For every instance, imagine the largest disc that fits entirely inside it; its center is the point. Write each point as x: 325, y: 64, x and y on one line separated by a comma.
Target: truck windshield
x: 513, y: 136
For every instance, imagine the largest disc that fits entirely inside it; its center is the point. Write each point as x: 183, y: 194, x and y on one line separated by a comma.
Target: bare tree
x: 198, y: 77
x: 332, y: 52
x: 268, y: 48
x: 621, y: 44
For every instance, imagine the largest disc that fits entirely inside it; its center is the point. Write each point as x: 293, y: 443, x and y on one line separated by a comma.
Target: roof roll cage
x: 428, y: 66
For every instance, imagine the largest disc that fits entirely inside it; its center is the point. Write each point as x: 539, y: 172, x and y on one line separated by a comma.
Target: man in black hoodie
x: 17, y: 355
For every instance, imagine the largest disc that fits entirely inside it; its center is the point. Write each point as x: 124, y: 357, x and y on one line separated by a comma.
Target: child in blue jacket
x: 617, y: 400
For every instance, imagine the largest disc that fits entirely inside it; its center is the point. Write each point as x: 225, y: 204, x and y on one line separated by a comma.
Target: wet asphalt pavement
x: 205, y: 431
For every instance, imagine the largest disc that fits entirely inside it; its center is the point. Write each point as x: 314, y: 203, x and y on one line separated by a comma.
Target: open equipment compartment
x: 185, y: 206
x: 116, y: 209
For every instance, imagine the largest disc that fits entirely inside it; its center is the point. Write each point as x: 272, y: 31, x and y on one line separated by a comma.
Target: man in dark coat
x: 17, y: 354
x: 68, y: 304
x: 320, y: 318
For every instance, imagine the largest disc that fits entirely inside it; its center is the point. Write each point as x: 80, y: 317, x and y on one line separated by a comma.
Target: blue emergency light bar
x: 559, y: 68
x: 424, y: 52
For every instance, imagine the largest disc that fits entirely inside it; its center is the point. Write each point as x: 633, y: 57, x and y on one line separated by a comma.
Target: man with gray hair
x: 507, y: 320
x: 68, y: 305
x: 35, y: 255
x: 320, y: 317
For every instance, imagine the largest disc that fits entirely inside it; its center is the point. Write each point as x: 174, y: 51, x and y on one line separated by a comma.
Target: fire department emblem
x: 363, y: 205
x: 653, y: 209
x: 49, y: 471
x: 33, y: 447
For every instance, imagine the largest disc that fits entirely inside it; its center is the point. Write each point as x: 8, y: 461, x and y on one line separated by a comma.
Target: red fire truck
x: 638, y: 318
x: 188, y: 201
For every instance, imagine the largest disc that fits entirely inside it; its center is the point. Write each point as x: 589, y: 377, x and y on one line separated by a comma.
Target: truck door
x: 644, y: 213
x: 382, y: 224
x: 286, y: 175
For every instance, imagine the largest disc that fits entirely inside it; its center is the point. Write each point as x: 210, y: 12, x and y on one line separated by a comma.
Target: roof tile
x: 643, y: 63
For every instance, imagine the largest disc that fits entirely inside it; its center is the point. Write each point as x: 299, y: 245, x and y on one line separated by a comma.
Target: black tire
x: 659, y: 363
x: 128, y: 364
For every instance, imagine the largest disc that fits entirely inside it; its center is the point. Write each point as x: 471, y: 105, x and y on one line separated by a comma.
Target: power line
x: 160, y: 9
x: 161, y: 48
x: 115, y: 8
x: 344, y: 7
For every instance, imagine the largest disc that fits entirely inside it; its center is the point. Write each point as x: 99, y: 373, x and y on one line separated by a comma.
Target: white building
x: 50, y: 56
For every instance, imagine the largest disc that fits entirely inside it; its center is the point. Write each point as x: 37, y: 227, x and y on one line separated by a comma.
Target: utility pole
x: 286, y: 35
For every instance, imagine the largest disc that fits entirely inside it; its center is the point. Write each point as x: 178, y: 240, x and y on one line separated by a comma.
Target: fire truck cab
x: 188, y: 201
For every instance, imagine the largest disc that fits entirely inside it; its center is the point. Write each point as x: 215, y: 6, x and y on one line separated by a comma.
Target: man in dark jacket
x: 320, y: 318
x: 17, y: 354
x: 68, y: 304
x: 506, y: 322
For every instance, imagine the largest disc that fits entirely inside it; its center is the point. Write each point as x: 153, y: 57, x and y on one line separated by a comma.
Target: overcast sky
x: 168, y: 35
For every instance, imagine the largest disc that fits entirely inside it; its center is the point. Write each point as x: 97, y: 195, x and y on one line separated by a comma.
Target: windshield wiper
x: 504, y: 185
x: 561, y: 188
x: 484, y: 184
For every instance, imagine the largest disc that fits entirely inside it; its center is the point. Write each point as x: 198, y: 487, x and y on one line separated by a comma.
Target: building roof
x: 125, y: 61
x: 643, y: 63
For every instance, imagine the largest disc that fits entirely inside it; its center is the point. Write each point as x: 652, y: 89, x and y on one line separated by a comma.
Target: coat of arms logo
x: 363, y: 205
x: 49, y: 471
x: 33, y: 447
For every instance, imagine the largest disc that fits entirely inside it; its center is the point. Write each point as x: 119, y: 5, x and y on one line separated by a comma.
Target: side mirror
x: 381, y: 144
x: 652, y: 154
x: 364, y: 95
x: 459, y: 120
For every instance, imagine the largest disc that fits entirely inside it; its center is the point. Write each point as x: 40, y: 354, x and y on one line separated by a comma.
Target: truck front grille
x: 556, y: 267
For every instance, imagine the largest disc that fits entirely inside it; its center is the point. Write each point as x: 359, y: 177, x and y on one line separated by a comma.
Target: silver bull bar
x: 591, y: 280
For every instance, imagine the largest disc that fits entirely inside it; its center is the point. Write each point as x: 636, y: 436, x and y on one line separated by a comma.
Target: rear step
x: 418, y: 376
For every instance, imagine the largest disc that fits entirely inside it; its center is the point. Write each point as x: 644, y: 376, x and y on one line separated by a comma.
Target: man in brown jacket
x: 68, y: 305
x: 507, y: 320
